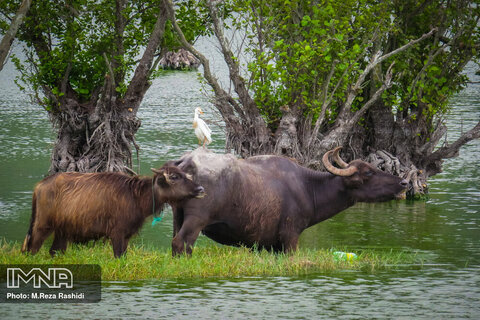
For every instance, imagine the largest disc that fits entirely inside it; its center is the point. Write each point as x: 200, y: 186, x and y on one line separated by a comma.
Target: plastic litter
x: 344, y: 256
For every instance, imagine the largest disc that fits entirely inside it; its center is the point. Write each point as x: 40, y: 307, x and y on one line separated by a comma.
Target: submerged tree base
x: 142, y: 263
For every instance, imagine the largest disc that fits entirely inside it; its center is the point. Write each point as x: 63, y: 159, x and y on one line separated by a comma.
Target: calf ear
x: 167, y: 178
x: 160, y: 176
x: 157, y: 171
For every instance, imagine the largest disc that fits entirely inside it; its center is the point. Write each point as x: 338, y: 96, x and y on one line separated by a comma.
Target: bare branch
x: 234, y: 71
x: 254, y: 120
x: 376, y: 59
x: 326, y: 102
x: 431, y: 57
x: 405, y: 47
x: 9, y: 36
x: 63, y: 85
x: 158, y: 58
x: 139, y: 83
x: 386, y: 84
x: 451, y: 150
x: 110, y: 70
x: 226, y: 109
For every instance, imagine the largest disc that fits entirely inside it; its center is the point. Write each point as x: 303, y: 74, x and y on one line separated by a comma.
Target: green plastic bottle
x: 344, y: 256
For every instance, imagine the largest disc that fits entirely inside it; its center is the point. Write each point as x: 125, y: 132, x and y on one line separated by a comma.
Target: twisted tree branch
x: 451, y: 150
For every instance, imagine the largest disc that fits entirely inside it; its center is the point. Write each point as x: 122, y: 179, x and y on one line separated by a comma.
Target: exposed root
x: 179, y: 60
x: 417, y: 186
x: 86, y: 144
x: 417, y: 183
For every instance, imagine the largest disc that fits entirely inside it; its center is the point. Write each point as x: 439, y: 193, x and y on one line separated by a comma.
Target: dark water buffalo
x: 269, y: 200
x: 84, y: 206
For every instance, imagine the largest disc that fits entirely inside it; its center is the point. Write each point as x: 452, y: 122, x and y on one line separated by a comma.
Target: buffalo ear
x: 189, y: 167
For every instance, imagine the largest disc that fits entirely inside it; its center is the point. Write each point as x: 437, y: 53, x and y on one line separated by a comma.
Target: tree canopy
x: 89, y: 64
x: 373, y: 76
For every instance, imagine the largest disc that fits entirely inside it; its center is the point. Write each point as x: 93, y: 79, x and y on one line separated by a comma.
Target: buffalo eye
x: 369, y: 173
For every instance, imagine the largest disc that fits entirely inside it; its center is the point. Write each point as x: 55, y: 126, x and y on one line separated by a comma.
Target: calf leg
x: 119, y: 245
x: 39, y: 235
x: 59, y: 244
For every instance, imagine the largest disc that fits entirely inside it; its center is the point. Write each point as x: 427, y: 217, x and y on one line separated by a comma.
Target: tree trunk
x: 93, y: 139
x: 98, y: 135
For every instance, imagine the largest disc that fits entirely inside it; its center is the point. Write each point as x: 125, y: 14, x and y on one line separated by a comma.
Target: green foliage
x: 71, y: 38
x: 296, y: 44
x: 303, y: 41
x: 431, y: 72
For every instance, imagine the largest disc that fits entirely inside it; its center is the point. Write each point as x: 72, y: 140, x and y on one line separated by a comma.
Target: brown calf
x: 84, y: 206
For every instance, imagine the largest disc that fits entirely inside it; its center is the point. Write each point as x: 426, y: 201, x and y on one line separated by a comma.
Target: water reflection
x: 428, y: 294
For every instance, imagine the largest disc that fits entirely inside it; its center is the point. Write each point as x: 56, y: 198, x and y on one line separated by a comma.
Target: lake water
x: 445, y: 230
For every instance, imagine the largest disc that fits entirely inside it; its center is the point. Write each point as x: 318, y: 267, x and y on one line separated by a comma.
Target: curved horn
x: 336, y: 171
x: 337, y: 159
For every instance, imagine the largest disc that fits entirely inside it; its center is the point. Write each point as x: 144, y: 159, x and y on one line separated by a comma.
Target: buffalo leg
x: 291, y: 244
x: 288, y: 241
x: 38, y: 237
x: 119, y: 245
x: 186, y: 237
x: 177, y: 220
x: 59, y: 244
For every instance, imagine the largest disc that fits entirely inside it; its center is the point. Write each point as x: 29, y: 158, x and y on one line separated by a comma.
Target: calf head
x: 364, y: 182
x: 172, y: 185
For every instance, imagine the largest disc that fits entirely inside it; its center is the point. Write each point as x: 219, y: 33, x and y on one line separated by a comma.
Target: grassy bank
x: 147, y: 263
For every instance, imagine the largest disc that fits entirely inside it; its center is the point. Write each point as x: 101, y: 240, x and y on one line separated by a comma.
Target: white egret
x: 202, y: 131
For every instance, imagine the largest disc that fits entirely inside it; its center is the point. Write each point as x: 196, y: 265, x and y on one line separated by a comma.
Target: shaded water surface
x: 445, y: 230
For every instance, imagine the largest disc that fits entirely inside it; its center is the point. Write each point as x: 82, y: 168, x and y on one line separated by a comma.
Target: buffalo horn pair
x: 345, y: 170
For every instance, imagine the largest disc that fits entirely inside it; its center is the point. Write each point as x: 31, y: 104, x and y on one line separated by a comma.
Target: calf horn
x: 346, y: 172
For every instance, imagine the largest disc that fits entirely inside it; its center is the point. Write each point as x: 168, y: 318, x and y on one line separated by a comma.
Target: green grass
x: 142, y: 263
